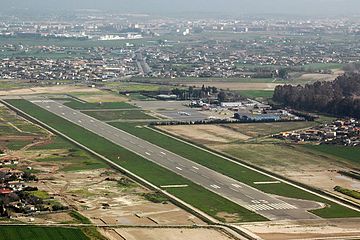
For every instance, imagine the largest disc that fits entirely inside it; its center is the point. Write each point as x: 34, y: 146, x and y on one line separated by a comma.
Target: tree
x: 283, y: 73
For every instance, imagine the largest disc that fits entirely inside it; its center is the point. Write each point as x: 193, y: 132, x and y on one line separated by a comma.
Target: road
x: 240, y: 193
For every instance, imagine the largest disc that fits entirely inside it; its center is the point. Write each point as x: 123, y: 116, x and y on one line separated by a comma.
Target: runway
x: 242, y: 194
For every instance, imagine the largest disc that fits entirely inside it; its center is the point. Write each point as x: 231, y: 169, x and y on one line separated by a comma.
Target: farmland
x: 349, y: 154
x: 40, y: 233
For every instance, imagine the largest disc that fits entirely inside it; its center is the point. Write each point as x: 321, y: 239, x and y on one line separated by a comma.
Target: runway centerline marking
x: 179, y: 168
x: 147, y: 153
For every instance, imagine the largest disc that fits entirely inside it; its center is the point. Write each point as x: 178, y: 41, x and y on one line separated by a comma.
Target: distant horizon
x: 311, y: 8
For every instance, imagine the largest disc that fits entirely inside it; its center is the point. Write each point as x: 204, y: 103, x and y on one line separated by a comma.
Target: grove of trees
x: 340, y: 97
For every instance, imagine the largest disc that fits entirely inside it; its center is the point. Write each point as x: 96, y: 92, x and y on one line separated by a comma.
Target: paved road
x: 235, y: 191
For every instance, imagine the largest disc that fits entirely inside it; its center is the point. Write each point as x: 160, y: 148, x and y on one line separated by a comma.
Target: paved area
x: 227, y: 187
x: 175, y: 110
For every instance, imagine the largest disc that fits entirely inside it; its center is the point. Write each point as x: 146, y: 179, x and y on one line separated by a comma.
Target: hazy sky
x: 297, y: 7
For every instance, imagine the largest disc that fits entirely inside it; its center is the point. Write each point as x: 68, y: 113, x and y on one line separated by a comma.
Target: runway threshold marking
x: 215, y: 186
x: 147, y: 153
x: 179, y: 168
x: 163, y: 153
x: 196, y: 168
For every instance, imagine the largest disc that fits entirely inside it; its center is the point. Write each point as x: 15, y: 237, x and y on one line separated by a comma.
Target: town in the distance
x: 177, y: 123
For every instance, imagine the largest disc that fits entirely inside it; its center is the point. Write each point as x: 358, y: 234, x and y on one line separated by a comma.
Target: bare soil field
x: 237, y: 85
x: 96, y: 97
x: 205, y: 134
x: 48, y: 90
x: 318, y: 77
x: 164, y: 234
x: 311, y: 229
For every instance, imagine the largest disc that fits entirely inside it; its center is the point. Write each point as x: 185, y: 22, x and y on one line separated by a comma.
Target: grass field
x: 40, y: 233
x: 351, y: 154
x: 116, y: 115
x: 106, y: 105
x: 257, y: 93
x: 233, y: 170
x: 212, y: 203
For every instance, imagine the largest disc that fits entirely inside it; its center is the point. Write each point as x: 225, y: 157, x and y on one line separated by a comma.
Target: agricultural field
x: 40, y: 233
x: 257, y: 94
x: 211, y: 203
x: 350, y: 154
x: 119, y: 115
x: 15, y: 132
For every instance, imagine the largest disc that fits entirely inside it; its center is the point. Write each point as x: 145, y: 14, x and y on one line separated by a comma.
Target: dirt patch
x: 228, y: 217
x: 205, y: 133
x: 164, y: 234
x: 309, y: 229
x: 51, y: 90
x: 107, y: 202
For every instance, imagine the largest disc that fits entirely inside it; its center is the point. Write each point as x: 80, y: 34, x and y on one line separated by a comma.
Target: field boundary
x: 205, y: 217
x: 328, y: 196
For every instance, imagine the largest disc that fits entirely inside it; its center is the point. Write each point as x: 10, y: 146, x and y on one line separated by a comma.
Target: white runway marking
x: 63, y: 113
x: 91, y: 120
x: 79, y: 121
x: 163, y: 153
x: 234, y: 189
x: 195, y: 168
x: 270, y: 206
x: 236, y: 185
x: 147, y: 153
x: 179, y: 168
x: 215, y: 186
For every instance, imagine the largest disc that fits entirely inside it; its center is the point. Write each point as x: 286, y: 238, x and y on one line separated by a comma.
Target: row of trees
x: 340, y: 97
